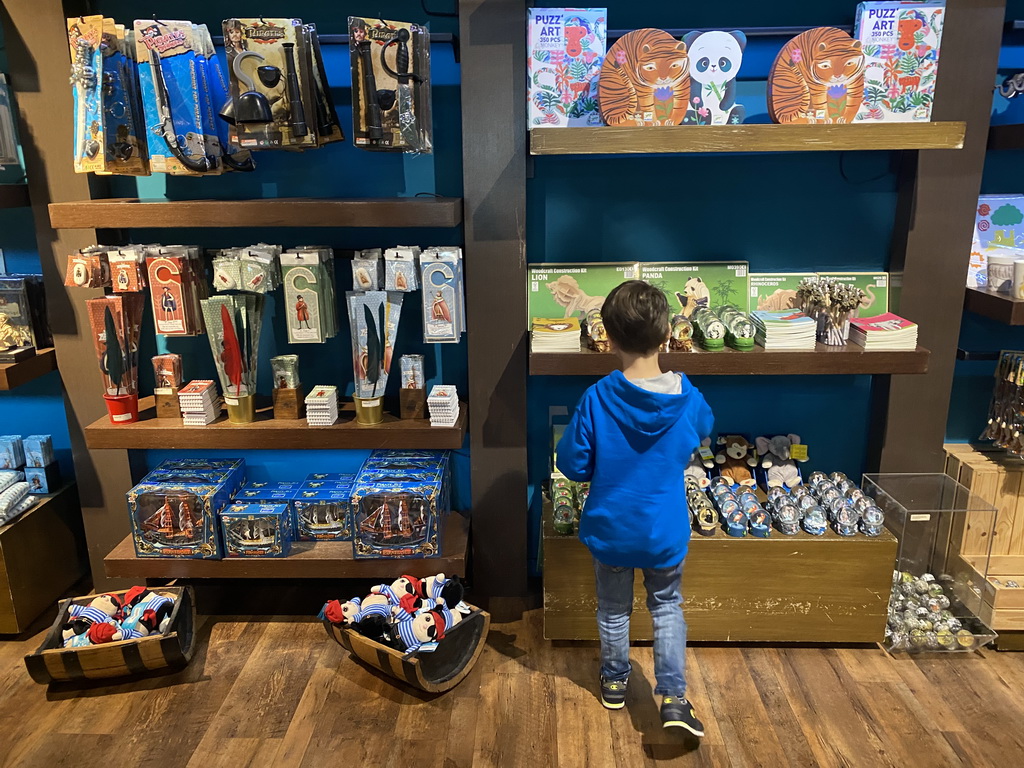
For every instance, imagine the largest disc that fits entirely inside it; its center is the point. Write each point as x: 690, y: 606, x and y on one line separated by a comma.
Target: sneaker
x: 613, y: 693
x: 678, y: 713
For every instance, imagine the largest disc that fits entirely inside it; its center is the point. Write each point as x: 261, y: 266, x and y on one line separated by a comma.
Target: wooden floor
x: 278, y: 693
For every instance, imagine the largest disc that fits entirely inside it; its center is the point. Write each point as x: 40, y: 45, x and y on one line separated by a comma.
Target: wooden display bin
x: 434, y: 672
x: 783, y: 589
x: 126, y: 658
x: 998, y: 479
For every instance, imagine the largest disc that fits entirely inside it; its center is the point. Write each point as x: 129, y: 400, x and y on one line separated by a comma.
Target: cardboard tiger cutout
x: 645, y: 80
x: 818, y: 77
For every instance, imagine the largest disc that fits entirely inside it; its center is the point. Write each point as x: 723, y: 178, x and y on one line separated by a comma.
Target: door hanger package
x: 176, y: 286
x: 270, y: 67
x: 309, y: 298
x: 444, y: 295
x: 390, y: 85
x: 173, y: 99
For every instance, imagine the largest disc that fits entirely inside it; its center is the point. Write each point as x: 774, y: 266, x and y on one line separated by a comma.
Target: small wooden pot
x: 412, y: 403
x: 289, y: 403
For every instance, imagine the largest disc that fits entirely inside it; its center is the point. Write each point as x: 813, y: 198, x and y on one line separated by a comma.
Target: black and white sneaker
x: 613, y: 693
x: 678, y: 713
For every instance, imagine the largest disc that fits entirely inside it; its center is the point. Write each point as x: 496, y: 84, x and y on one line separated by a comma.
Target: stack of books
x: 443, y: 404
x: 784, y: 329
x: 888, y: 331
x: 199, y: 403
x: 322, y: 406
x: 559, y: 334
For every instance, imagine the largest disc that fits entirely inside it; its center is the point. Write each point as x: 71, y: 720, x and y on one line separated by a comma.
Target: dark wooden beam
x: 493, y: 35
x: 932, y: 240
x: 37, y: 52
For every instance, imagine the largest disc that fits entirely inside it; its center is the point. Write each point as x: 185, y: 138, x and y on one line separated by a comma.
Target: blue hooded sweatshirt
x: 633, y: 445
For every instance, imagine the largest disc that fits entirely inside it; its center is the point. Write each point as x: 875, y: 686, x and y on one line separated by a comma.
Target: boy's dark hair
x: 636, y: 317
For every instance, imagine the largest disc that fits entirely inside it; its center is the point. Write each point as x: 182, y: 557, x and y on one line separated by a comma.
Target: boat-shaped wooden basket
x: 435, y: 671
x: 126, y: 658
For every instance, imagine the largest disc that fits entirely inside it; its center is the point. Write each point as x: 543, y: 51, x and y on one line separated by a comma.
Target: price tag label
x: 705, y: 453
x: 798, y: 452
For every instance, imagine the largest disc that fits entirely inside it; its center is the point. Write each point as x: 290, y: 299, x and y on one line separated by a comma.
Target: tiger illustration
x: 818, y: 77
x: 645, y: 80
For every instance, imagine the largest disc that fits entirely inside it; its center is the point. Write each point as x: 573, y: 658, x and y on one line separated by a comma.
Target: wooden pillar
x: 37, y: 49
x: 493, y: 40
x: 932, y: 241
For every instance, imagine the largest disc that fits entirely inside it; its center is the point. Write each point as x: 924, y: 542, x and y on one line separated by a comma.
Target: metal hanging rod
x: 615, y: 34
x: 435, y: 37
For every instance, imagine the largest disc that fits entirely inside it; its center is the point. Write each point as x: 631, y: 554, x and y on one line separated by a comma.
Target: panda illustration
x: 715, y: 59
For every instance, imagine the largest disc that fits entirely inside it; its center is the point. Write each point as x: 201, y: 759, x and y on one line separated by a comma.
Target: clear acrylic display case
x: 945, y: 540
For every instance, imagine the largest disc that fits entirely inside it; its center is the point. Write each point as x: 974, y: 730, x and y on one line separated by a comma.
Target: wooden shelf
x: 15, y: 374
x: 1006, y: 136
x: 14, y: 196
x: 610, y: 140
x: 308, y: 560
x: 267, y: 432
x: 129, y: 213
x: 997, y: 306
x: 850, y: 359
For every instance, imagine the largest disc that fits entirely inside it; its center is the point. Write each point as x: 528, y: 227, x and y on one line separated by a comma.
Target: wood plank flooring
x: 277, y: 692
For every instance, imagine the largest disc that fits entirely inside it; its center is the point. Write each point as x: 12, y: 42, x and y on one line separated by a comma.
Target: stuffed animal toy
x: 440, y: 588
x: 735, y: 459
x: 699, y: 466
x: 405, y: 585
x: 777, y: 460
x: 411, y: 605
x: 101, y: 610
x: 426, y: 627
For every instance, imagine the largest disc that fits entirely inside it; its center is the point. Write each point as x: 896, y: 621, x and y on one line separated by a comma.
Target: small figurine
x: 597, y: 336
x: 681, y: 337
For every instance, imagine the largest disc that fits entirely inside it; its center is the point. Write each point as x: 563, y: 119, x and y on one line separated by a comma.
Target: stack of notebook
x: 886, y: 331
x: 443, y: 404
x: 199, y: 403
x: 559, y: 334
x: 784, y: 329
x: 322, y: 406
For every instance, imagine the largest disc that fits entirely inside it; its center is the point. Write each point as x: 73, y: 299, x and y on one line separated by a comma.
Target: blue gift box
x: 329, y: 477
x: 12, y: 452
x: 38, y: 450
x: 177, y: 519
x: 233, y: 469
x: 256, y: 530
x: 43, y: 479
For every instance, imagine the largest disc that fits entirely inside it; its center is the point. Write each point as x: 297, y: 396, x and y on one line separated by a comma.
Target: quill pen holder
x: 241, y: 410
x: 122, y: 409
x: 369, y: 410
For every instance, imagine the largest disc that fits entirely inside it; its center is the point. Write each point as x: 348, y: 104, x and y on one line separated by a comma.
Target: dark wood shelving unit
x: 308, y: 560
x: 1006, y: 136
x: 15, y: 374
x: 996, y: 306
x: 850, y: 360
x: 608, y: 140
x: 14, y: 196
x: 270, y: 433
x: 130, y: 213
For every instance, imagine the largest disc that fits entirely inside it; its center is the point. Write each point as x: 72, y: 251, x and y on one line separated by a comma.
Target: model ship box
x: 901, y: 42
x: 322, y: 515
x: 567, y: 48
x: 177, y: 520
x: 330, y: 477
x: 410, y: 465
x: 1000, y: 221
x: 234, y: 468
x: 257, y: 530
x: 231, y: 479
x: 875, y: 286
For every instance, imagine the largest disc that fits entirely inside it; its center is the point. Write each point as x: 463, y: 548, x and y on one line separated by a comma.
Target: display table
x: 783, y: 589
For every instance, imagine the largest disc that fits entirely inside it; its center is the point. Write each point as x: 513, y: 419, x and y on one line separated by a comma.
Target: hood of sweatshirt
x: 639, y: 413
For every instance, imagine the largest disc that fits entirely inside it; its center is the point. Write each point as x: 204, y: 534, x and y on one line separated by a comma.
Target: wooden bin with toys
x: 436, y: 671
x: 171, y: 649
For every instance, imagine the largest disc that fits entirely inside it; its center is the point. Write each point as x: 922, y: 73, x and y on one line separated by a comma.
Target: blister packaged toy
x: 390, y: 85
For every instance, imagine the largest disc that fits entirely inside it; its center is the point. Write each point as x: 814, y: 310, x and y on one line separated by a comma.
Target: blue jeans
x: 664, y: 601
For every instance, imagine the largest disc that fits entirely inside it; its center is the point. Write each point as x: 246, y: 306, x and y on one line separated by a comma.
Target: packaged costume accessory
x: 391, y: 85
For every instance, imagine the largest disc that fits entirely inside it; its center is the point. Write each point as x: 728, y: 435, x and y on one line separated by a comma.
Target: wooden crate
x: 784, y: 589
x: 126, y: 658
x: 998, y: 479
x: 42, y: 555
x: 434, y: 672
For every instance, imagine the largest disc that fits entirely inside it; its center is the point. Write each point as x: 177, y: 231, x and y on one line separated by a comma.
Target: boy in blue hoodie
x: 631, y: 437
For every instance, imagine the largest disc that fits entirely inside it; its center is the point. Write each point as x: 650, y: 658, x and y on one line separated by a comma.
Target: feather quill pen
x: 113, y: 356
x: 373, y: 349
x: 232, y: 354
